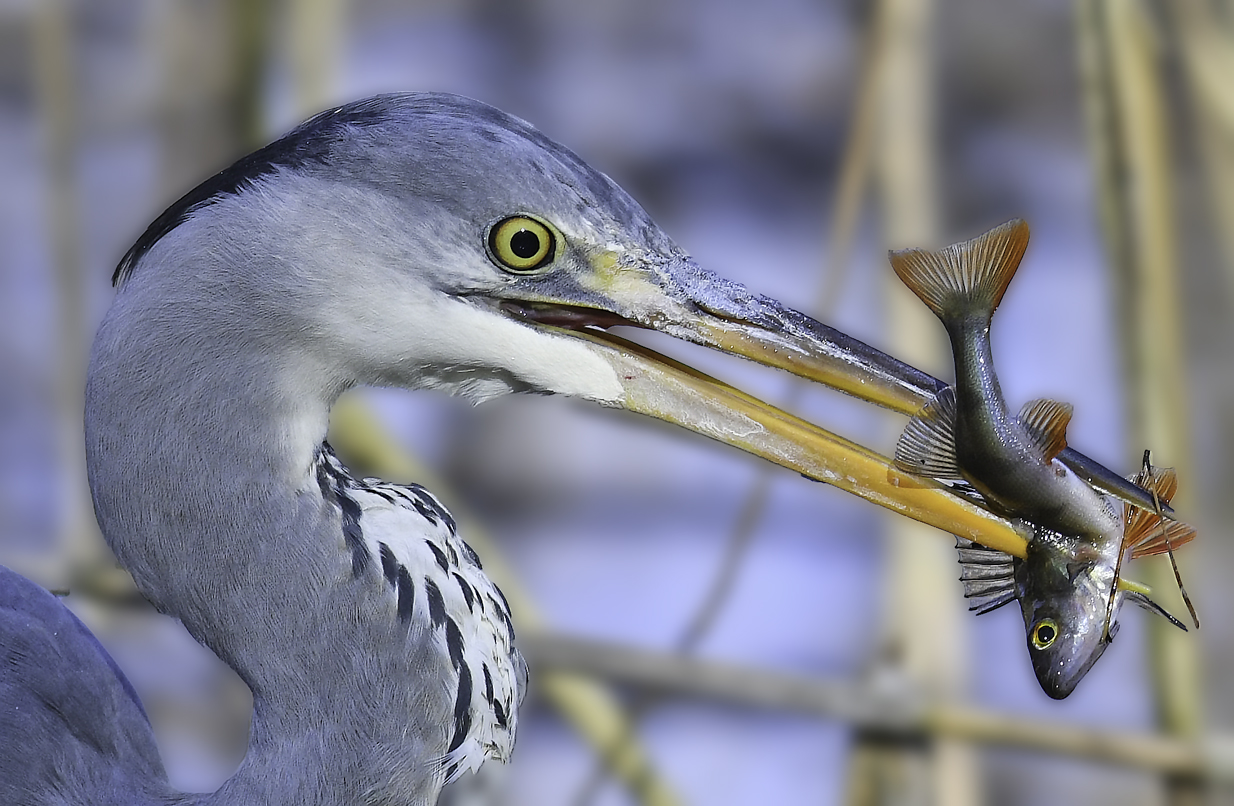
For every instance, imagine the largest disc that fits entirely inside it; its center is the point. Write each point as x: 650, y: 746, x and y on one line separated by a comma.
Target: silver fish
x: 1070, y: 606
x: 1068, y: 584
x: 1064, y: 602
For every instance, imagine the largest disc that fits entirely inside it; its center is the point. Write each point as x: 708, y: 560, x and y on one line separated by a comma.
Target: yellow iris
x: 1045, y: 633
x: 522, y: 244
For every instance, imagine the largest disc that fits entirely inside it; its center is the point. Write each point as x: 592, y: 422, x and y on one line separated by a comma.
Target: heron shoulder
x: 79, y: 718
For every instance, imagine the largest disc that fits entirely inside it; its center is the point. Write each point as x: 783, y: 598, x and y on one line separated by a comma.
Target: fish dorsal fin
x: 988, y: 576
x: 1144, y: 532
x: 1046, y: 422
x: 927, y: 446
x: 968, y: 277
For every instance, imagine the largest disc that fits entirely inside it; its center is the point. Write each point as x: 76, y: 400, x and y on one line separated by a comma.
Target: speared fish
x: 1068, y: 585
x: 1070, y: 608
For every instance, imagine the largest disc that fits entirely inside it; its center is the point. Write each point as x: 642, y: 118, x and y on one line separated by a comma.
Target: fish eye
x: 521, y: 244
x: 1045, y: 632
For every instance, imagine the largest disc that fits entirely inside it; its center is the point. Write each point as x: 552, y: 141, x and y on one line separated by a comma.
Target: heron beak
x: 704, y: 309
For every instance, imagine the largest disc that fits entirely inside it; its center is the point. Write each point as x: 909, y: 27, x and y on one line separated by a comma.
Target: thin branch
x: 866, y: 707
x: 1129, y: 119
x: 849, y: 198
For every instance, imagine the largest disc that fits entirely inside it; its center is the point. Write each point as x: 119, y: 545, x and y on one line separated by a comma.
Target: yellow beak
x: 667, y: 390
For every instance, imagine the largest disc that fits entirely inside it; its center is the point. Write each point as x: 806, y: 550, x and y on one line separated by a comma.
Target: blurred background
x: 762, y: 639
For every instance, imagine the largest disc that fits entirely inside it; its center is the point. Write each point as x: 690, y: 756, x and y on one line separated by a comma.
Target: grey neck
x: 201, y: 432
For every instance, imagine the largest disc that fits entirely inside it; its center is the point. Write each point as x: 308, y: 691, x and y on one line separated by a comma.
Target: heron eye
x: 521, y: 244
x: 1044, y: 634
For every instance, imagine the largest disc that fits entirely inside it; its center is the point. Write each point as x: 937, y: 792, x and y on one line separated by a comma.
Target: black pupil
x: 1045, y: 633
x: 525, y: 243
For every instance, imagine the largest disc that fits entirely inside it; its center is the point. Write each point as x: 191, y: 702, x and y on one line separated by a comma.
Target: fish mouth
x: 727, y: 318
x: 1059, y: 682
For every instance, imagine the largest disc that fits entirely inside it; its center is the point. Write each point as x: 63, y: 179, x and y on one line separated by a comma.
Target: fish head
x: 1064, y: 588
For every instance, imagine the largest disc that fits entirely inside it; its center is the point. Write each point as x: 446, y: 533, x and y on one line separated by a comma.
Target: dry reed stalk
x: 1129, y: 121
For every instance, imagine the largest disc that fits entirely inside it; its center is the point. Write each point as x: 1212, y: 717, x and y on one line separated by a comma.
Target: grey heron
x: 416, y: 240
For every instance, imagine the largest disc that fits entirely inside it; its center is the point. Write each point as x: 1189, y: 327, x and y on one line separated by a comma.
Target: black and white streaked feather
x: 436, y: 581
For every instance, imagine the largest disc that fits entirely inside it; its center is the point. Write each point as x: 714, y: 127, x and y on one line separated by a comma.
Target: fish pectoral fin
x: 966, y: 277
x: 927, y: 446
x: 986, y: 572
x: 988, y: 576
x: 1046, y: 422
x: 1151, y: 606
x: 1077, y: 569
x: 992, y: 603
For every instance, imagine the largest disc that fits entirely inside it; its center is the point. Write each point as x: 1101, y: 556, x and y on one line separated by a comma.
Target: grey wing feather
x: 67, y: 713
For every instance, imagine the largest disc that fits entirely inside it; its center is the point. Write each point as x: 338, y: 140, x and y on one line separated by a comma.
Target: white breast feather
x: 401, y: 518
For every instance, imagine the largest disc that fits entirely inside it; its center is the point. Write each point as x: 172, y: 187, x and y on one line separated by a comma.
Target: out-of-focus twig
x: 249, y: 24
x: 845, y: 213
x: 56, y: 90
x: 1206, y: 47
x: 889, y: 713
x: 1128, y: 115
x: 922, y: 645
x: 317, y: 33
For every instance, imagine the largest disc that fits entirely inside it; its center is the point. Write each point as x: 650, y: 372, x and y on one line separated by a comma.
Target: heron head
x: 429, y: 240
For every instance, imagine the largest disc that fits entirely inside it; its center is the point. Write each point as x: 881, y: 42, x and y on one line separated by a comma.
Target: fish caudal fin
x: 927, y: 446
x: 964, y: 278
x: 1046, y: 422
x: 1144, y: 532
x: 988, y: 576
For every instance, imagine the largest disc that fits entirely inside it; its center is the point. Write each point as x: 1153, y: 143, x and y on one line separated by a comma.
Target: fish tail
x: 965, y: 278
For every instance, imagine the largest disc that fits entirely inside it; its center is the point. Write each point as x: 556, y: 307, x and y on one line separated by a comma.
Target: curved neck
x: 200, y: 444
